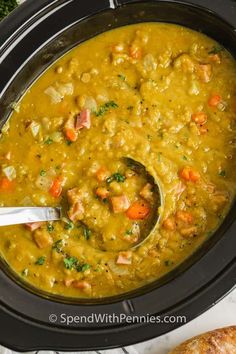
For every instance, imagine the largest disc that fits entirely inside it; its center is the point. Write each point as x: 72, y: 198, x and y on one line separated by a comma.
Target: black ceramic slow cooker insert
x: 31, y: 38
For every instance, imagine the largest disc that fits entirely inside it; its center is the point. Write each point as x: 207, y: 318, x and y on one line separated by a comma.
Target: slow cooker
x: 31, y: 38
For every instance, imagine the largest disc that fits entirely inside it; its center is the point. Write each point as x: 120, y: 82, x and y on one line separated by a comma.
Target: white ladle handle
x: 24, y: 215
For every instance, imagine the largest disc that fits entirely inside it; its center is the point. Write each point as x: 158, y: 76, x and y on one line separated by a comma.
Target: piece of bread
x: 219, y: 341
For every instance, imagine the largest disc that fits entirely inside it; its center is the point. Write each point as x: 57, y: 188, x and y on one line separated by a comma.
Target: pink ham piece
x: 83, y: 120
x: 124, y: 258
x: 34, y: 226
x: 120, y: 203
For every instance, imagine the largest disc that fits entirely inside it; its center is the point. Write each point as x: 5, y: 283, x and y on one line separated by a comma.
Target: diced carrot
x: 184, y: 216
x: 56, y: 187
x: 139, y: 210
x: 169, y: 224
x: 214, y: 100
x: 34, y: 225
x: 102, y: 192
x: 199, y: 118
x: 124, y: 258
x: 71, y: 134
x: 6, y: 185
x: 120, y: 203
x: 102, y: 174
x: 189, y: 174
x: 135, y: 52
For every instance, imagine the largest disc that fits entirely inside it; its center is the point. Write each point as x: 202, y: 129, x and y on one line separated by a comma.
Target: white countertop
x: 221, y: 315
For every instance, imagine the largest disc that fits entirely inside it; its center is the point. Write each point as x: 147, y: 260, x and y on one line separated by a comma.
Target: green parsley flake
x: 48, y: 141
x: 105, y: 108
x: 42, y: 173
x: 41, y: 260
x: 118, y: 177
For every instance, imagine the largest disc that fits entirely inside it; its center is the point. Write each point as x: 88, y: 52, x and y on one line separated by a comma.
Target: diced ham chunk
x: 169, y: 224
x: 146, y: 192
x: 83, y: 120
x: 124, y: 258
x: 120, y: 203
x: 42, y: 238
x: 189, y: 231
x: 33, y: 226
x: 82, y: 285
x: 184, y: 216
x: 76, y: 211
x: 205, y: 72
x: 74, y: 124
x: 73, y: 195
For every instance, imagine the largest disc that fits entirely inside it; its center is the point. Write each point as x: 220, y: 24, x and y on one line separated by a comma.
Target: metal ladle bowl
x: 24, y: 215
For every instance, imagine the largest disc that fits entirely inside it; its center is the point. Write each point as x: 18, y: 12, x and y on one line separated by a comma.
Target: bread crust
x: 219, y: 341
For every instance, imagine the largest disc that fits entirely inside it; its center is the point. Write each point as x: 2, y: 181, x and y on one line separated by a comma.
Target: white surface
x: 221, y: 315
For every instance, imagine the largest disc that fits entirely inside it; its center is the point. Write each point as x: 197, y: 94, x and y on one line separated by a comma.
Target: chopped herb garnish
x: 128, y: 232
x: 25, y: 272
x: 68, y: 142
x: 69, y: 225
x: 86, y: 232
x: 216, y: 50
x: 85, y: 267
x: 118, y: 177
x: 122, y: 77
x: 48, y: 141
x: 222, y: 173
x: 50, y: 227
x: 41, y: 260
x: 57, y: 246
x: 70, y: 262
x: 42, y: 173
x: 105, y: 108
x: 73, y: 263
x: 185, y: 158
